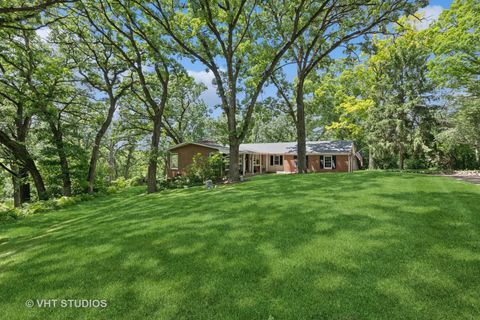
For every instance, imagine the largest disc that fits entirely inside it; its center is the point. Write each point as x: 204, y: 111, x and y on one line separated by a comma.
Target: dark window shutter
x: 334, y: 162
x: 321, y: 162
x: 271, y: 160
x: 281, y: 160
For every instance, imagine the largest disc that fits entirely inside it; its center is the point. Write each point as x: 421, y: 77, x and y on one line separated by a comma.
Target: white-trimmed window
x: 327, y: 162
x: 174, y: 161
x: 276, y: 160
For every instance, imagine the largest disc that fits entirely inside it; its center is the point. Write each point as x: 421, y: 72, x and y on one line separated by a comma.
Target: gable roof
x: 313, y: 147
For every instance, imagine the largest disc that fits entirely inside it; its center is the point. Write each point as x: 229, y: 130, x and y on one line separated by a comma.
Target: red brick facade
x: 185, y: 156
x: 186, y: 153
x: 341, y: 164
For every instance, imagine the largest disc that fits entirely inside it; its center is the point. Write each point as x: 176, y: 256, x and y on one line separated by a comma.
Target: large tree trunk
x: 62, y: 155
x: 112, y: 161
x: 96, y: 146
x: 371, y: 159
x: 301, y: 132
x: 21, y: 153
x: 233, y: 140
x: 21, y: 188
x: 401, y: 155
x: 234, y: 154
x: 17, y: 203
x: 477, y: 154
x: 37, y: 179
x: 128, y: 162
x: 153, y: 159
x: 24, y: 188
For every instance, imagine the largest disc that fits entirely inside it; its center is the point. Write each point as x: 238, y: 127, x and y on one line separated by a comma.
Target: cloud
x: 430, y: 14
x: 210, y: 95
x: 43, y: 33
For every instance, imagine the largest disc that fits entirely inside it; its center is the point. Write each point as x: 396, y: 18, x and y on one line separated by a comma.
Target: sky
x: 200, y: 74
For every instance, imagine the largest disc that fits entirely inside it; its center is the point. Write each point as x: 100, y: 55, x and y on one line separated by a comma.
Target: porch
x: 254, y: 163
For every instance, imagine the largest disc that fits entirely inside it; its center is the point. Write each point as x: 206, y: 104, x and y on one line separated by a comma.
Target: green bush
x: 119, y: 183
x: 204, y: 168
x: 9, y: 213
x: 178, y: 182
x: 137, y: 181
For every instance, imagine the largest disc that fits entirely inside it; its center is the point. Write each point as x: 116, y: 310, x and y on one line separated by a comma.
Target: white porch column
x: 261, y: 158
x: 243, y: 165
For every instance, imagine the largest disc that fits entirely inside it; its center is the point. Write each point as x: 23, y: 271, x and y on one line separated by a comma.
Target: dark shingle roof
x: 313, y: 147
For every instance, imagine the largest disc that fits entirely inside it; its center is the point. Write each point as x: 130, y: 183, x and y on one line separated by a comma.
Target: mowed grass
x: 367, y: 245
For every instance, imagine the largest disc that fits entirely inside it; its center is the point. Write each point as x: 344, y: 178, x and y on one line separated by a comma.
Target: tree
x: 271, y: 123
x: 20, y: 95
x: 234, y: 41
x: 20, y: 16
x: 142, y: 49
x: 455, y: 43
x: 101, y: 69
x: 185, y: 114
x: 341, y: 22
x: 401, y: 91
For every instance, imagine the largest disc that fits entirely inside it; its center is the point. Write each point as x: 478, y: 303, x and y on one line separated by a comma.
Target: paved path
x: 469, y: 178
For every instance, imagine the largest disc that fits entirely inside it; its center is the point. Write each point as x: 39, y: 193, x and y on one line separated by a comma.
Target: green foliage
x: 401, y: 117
x: 455, y: 43
x: 37, y: 207
x: 206, y: 167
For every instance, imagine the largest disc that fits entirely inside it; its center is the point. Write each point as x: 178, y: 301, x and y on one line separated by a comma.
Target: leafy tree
x: 19, y: 102
x: 234, y: 40
x: 143, y: 50
x: 185, y: 113
x: 271, y: 123
x: 455, y: 43
x: 100, y: 69
x: 401, y: 90
x: 16, y: 14
x: 341, y: 22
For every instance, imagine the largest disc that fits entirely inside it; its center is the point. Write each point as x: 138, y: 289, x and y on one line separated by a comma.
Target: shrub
x: 119, y: 183
x: 205, y: 168
x: 137, y: 181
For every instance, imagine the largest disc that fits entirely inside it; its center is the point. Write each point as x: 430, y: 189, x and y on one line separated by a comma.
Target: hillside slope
x: 367, y: 245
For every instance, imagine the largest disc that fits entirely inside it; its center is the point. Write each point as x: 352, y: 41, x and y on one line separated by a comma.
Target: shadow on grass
x: 319, y: 246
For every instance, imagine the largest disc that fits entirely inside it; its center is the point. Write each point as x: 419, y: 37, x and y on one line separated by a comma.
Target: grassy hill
x: 367, y: 245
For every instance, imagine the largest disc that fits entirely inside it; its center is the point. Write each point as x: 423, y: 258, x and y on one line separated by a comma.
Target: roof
x: 212, y: 145
x: 313, y: 147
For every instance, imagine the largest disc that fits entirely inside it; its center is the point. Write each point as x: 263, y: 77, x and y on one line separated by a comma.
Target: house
x: 281, y: 157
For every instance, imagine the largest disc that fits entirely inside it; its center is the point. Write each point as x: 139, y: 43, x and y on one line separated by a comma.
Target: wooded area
x: 93, y: 91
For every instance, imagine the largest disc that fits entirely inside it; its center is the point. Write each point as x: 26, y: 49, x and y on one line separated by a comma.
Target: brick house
x: 281, y: 157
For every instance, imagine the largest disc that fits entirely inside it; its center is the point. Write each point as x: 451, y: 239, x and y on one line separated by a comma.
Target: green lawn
x: 368, y: 245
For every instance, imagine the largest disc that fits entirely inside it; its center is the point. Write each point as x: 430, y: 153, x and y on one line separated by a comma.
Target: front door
x: 256, y: 162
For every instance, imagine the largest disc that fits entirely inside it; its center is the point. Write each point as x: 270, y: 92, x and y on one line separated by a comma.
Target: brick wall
x: 185, y: 157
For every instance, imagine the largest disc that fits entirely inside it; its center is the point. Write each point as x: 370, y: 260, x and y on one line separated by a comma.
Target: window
x: 327, y: 162
x: 276, y: 160
x: 174, y: 161
x: 256, y: 160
